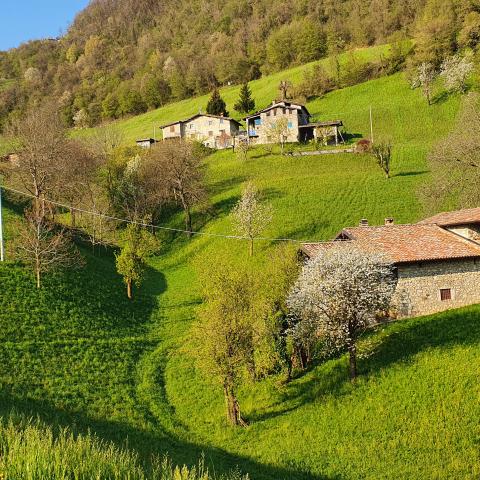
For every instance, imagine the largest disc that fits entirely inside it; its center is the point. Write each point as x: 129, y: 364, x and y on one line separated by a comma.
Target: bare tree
x: 284, y: 87
x: 424, y: 77
x: 382, y: 152
x: 455, y: 162
x: 42, y: 145
x: 278, y: 131
x: 242, y: 148
x: 339, y: 294
x: 455, y: 71
x: 180, y: 164
x: 43, y: 246
x: 250, y: 216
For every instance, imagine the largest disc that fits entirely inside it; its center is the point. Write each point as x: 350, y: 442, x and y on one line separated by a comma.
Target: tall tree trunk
x: 129, y: 289
x: 188, y: 221
x: 251, y: 247
x: 37, y: 273
x: 233, y: 409
x: 352, y: 350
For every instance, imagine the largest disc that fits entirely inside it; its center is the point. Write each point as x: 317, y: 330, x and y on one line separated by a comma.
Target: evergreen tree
x: 245, y: 102
x: 216, y: 105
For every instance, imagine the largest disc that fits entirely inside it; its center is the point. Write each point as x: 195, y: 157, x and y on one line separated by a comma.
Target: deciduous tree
x: 224, y: 333
x: 455, y: 71
x: 137, y: 246
x: 250, y: 216
x: 180, y: 163
x: 455, y: 162
x: 43, y: 246
x: 424, y: 77
x: 382, y: 152
x: 339, y: 294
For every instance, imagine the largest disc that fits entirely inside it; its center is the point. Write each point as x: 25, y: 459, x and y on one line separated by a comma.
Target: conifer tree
x: 245, y: 102
x: 216, y: 105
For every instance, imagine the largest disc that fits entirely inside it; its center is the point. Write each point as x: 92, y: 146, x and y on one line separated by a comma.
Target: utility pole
x: 371, y: 125
x: 2, y: 248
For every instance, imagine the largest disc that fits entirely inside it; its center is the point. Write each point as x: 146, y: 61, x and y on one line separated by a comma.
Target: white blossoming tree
x: 424, y: 78
x: 455, y: 71
x: 338, y: 295
x: 250, y: 216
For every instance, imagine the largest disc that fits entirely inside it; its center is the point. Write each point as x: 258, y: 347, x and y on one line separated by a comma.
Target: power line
x: 158, y: 227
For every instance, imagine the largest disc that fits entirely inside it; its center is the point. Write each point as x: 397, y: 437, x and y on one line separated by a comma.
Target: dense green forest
x: 121, y: 58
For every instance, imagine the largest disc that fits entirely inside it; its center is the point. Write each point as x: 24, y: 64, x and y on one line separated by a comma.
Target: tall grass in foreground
x: 30, y: 450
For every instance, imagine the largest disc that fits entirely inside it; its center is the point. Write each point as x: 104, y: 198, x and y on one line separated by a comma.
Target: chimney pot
x: 363, y: 222
x: 389, y: 221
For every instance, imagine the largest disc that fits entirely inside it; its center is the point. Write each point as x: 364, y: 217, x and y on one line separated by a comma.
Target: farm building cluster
x: 221, y: 132
x: 437, y: 260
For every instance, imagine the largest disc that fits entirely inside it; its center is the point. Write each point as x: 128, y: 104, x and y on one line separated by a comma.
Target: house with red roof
x: 437, y: 260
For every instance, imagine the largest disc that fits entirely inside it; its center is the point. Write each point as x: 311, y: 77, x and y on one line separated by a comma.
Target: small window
x: 210, y: 122
x: 268, y: 113
x: 275, y: 112
x: 221, y: 120
x: 191, y: 126
x: 445, y: 294
x: 258, y: 121
x: 210, y: 133
x: 284, y: 111
x: 290, y: 125
x: 172, y: 128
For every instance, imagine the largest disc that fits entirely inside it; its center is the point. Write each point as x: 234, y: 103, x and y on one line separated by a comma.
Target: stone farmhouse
x: 212, y: 130
x: 437, y: 261
x: 297, y: 119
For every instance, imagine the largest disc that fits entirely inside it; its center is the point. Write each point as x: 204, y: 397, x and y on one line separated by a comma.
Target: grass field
x: 78, y: 353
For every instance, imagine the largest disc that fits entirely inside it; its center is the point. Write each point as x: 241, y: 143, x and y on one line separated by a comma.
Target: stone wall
x: 419, y: 285
x: 472, y: 232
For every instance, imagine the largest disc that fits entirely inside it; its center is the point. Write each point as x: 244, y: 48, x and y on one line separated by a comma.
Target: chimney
x: 389, y: 221
x: 363, y: 222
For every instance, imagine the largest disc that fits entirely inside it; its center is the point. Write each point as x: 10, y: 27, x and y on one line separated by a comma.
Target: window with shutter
x: 445, y: 294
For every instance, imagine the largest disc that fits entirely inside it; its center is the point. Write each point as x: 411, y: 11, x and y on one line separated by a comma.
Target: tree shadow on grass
x: 148, y: 443
x: 402, y: 341
x: 410, y: 174
x: 407, y: 338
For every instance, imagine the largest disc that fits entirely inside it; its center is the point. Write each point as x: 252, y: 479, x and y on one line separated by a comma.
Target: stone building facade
x: 212, y: 130
x: 431, y: 287
x: 261, y: 126
x: 437, y: 261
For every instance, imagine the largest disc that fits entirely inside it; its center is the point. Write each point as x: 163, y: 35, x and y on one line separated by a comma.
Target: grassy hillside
x: 78, y: 353
x: 264, y: 91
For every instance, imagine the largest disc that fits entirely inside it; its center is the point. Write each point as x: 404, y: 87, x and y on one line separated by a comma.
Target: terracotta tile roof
x: 313, y: 249
x: 459, y: 217
x: 404, y: 243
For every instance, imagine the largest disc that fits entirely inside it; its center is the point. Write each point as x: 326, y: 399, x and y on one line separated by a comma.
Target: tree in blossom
x: 455, y: 71
x: 250, y: 216
x: 424, y: 78
x: 338, y: 295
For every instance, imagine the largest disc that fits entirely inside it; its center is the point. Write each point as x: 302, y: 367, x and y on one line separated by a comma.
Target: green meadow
x: 77, y: 353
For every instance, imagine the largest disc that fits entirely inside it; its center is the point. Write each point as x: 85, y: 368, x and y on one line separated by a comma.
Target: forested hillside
x: 126, y: 57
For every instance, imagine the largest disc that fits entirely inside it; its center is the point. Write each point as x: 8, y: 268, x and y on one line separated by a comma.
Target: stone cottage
x: 260, y: 126
x: 212, y: 130
x: 437, y: 261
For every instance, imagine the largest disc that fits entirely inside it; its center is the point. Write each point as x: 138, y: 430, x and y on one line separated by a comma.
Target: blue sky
x: 22, y: 20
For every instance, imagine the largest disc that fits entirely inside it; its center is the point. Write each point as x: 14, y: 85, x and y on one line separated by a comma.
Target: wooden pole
x: 371, y: 125
x: 2, y: 249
